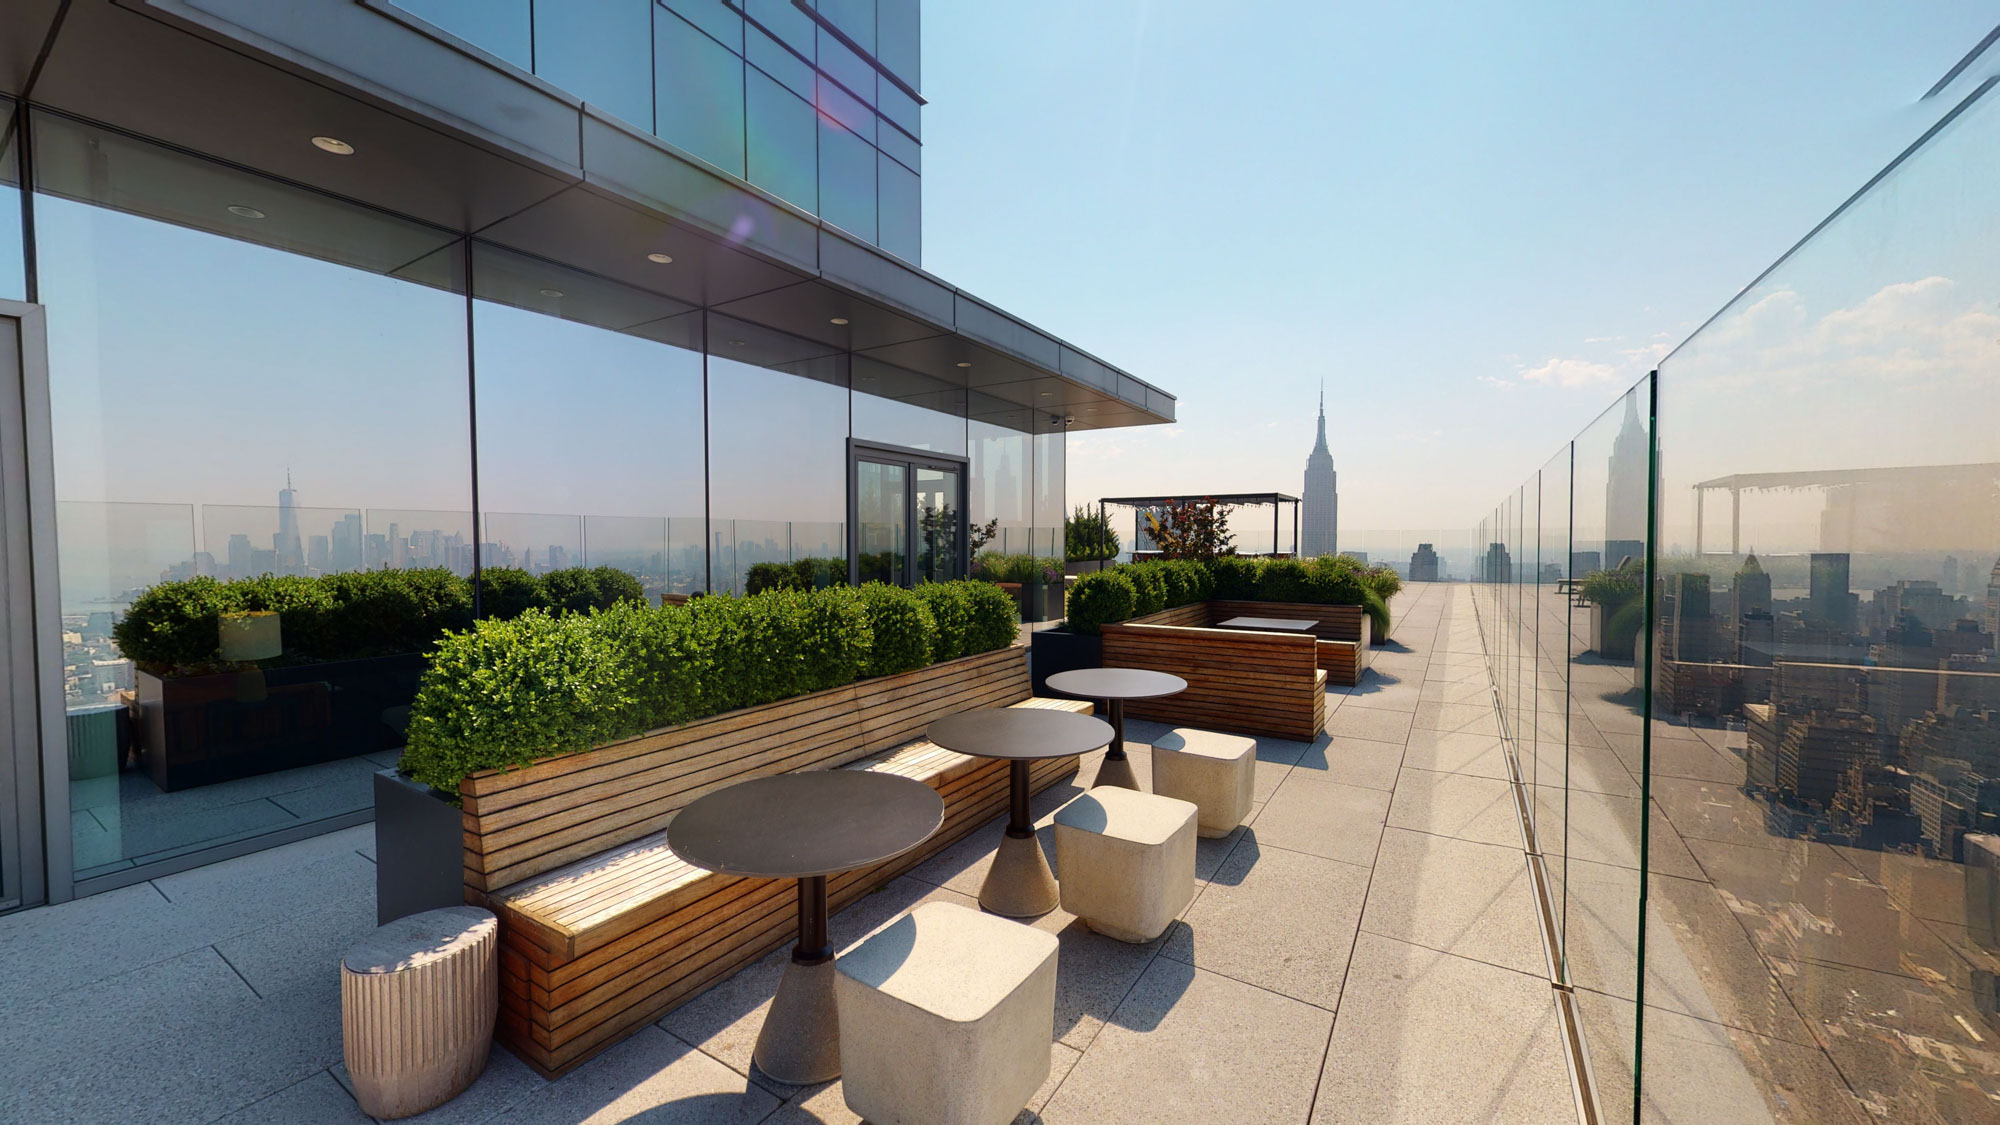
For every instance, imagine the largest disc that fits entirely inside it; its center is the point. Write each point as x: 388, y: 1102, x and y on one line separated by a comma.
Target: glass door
x: 908, y: 513
x: 28, y: 639
x: 882, y: 522
x: 937, y: 523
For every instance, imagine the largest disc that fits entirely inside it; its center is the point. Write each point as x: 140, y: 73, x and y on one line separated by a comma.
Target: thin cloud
x: 1558, y: 372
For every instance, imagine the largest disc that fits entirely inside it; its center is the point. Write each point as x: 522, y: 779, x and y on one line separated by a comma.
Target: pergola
x: 1277, y: 501
x: 1922, y: 476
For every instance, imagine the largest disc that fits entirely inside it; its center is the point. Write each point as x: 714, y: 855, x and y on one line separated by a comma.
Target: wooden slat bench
x: 1255, y: 683
x: 1345, y: 633
x: 604, y: 929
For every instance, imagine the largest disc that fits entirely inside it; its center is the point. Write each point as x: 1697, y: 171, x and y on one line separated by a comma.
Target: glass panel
x: 500, y: 27
x: 698, y: 92
x: 901, y: 211
x: 939, y: 508
x: 1049, y: 495
x: 783, y: 19
x: 1826, y: 736
x: 1001, y: 504
x: 842, y: 65
x: 846, y: 180
x: 712, y: 16
x: 783, y: 141
x: 1554, y: 589
x: 195, y: 378
x: 854, y: 18
x: 13, y: 283
x: 777, y: 444
x: 599, y: 474
x: 779, y: 62
x: 883, y: 522
x: 840, y: 106
x: 899, y: 39
x: 897, y: 406
x: 601, y: 52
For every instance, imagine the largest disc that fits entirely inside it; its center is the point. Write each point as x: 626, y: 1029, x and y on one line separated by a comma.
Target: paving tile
x: 1093, y: 974
x: 1456, y: 691
x: 1374, y: 724
x: 1354, y: 761
x: 505, y: 1081
x: 1474, y: 900
x: 1605, y: 829
x: 651, y: 1077
x: 1276, y: 919
x: 1459, y: 718
x: 1323, y: 818
x: 291, y: 880
x: 1482, y: 755
x: 319, y: 1100
x: 827, y: 1105
x: 1425, y: 1037
x: 300, y: 955
x: 1402, y: 696
x: 53, y: 948
x: 1188, y: 1045
x: 1454, y: 804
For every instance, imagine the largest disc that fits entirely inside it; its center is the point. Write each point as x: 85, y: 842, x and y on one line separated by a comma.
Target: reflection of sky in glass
x: 12, y: 286
x: 777, y: 445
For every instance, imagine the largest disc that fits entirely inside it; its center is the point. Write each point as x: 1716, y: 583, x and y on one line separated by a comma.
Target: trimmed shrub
x: 811, y: 573
x: 1201, y: 579
x: 1329, y: 582
x: 580, y: 590
x: 1384, y: 581
x: 1101, y: 597
x: 901, y: 625
x: 951, y: 608
x: 995, y: 618
x: 508, y: 692
x: 391, y: 611
x: 1150, y: 585
x: 174, y: 624
x: 1234, y: 578
x: 509, y: 591
x: 1283, y: 580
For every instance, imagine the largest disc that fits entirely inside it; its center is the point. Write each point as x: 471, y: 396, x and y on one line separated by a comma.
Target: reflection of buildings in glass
x: 1832, y: 602
x: 1319, y: 506
x: 1993, y: 601
x: 1424, y: 564
x: 1498, y: 564
x: 285, y: 544
x: 1625, y: 489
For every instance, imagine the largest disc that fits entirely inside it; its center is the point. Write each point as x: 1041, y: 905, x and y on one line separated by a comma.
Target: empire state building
x: 1319, y: 514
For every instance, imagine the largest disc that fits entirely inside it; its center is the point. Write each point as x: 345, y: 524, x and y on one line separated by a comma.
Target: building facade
x: 466, y: 285
x: 1319, y: 509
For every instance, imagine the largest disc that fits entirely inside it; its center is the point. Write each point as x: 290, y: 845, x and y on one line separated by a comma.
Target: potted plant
x: 1616, y: 609
x: 1089, y: 541
x: 1095, y: 599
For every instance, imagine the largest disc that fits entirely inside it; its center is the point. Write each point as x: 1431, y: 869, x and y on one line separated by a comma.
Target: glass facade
x: 1743, y: 629
x: 816, y: 104
x: 249, y: 378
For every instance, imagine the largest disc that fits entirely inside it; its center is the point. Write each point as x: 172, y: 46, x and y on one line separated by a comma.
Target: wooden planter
x: 1255, y: 683
x: 1614, y: 628
x: 1345, y: 632
x: 588, y: 957
x: 198, y: 730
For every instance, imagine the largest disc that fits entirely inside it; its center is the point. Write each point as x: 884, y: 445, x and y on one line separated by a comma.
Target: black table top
x: 1116, y: 683
x: 1271, y: 624
x: 1023, y: 733
x: 794, y: 825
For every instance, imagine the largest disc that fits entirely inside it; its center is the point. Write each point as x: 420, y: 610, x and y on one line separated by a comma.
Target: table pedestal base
x: 1019, y: 884
x: 799, y: 1044
x: 1116, y: 771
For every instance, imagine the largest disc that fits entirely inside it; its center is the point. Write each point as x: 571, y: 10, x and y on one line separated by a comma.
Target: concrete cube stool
x: 418, y: 998
x: 1218, y: 772
x: 946, y: 1017
x: 1125, y: 861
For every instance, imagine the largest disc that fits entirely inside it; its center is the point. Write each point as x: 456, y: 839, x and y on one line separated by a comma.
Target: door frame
x: 911, y: 460
x: 34, y: 824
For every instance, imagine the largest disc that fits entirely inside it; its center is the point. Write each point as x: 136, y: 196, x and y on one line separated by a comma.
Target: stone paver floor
x: 1363, y: 950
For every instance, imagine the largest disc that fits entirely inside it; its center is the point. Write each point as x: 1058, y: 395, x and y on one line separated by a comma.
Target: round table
x: 1019, y: 883
x: 805, y: 826
x: 1115, y: 686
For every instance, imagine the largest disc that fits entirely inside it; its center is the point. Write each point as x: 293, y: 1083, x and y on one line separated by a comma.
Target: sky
x: 1475, y: 224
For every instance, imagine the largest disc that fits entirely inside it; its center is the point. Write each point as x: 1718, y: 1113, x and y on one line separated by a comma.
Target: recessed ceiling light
x: 242, y: 212
x: 333, y: 145
x: 1046, y: 394
x: 662, y: 259
x: 838, y: 320
x: 967, y: 363
x: 738, y: 344
x: 552, y: 292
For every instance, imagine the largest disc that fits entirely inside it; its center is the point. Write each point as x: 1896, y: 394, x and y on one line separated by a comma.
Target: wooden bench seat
x: 1238, y: 680
x: 598, y: 947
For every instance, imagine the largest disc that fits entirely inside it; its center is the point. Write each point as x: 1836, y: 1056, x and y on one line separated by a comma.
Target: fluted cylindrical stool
x: 418, y: 998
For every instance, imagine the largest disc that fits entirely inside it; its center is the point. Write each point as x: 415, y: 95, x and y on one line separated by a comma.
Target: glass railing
x: 1742, y: 630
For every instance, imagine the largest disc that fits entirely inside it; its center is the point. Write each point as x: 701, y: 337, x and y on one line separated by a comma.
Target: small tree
x: 1088, y: 535
x: 1192, y: 529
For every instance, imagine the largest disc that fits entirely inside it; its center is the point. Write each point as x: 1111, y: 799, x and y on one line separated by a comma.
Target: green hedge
x: 504, y: 693
x: 173, y: 625
x: 811, y: 573
x: 994, y: 566
x: 1136, y: 589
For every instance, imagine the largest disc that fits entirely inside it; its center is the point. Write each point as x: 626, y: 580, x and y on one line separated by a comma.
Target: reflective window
x: 854, y: 18
x: 898, y: 38
x: 778, y: 61
x: 500, y: 27
x: 13, y: 278
x: 846, y: 180
x: 783, y: 142
x: 783, y: 19
x: 896, y: 406
x: 1003, y: 469
x: 1050, y: 482
x: 841, y: 64
x: 222, y: 407
x: 882, y: 509
x: 601, y: 52
x: 698, y: 91
x: 609, y: 472
x: 901, y: 211
x: 777, y: 449
x: 715, y: 17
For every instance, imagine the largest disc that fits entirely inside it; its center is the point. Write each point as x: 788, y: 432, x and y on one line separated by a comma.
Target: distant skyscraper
x: 1424, y: 564
x: 1625, y: 491
x: 1319, y: 512
x: 291, y: 553
x: 1831, y: 603
x: 1752, y: 588
x: 1993, y: 600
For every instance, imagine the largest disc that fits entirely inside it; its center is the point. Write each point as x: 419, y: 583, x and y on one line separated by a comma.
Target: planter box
x: 1238, y: 680
x: 1614, y: 628
x: 199, y: 730
x: 419, y: 833
x: 1041, y: 601
x: 1059, y: 650
x: 1345, y: 633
